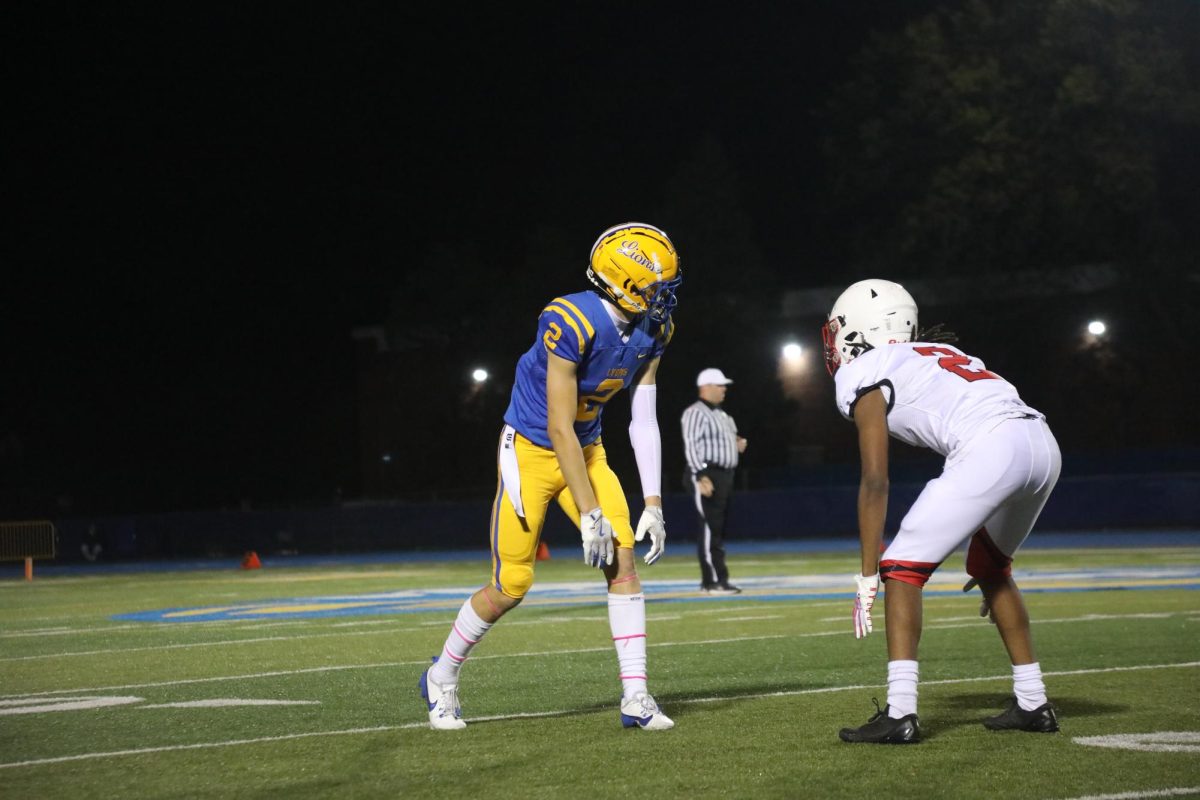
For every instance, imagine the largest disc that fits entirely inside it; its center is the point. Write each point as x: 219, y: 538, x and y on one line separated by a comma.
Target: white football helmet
x: 869, y: 314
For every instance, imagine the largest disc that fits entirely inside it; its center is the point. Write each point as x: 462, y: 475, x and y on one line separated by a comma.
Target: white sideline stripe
x: 255, y: 640
x: 564, y: 712
x: 748, y: 619
x: 1137, y: 795
x: 1085, y: 618
x: 230, y: 702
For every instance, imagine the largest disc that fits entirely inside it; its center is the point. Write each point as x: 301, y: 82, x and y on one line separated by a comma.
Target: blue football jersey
x: 578, y: 328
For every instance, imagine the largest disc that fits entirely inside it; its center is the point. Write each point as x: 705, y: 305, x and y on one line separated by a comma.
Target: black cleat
x: 882, y: 729
x: 1014, y: 718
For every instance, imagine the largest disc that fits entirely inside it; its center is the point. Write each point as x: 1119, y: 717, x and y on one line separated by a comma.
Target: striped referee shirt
x: 709, y: 438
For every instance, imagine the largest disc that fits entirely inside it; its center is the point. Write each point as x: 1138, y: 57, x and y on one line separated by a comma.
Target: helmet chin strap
x: 612, y: 293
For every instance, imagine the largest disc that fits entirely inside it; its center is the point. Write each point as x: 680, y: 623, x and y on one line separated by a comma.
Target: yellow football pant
x: 514, y: 542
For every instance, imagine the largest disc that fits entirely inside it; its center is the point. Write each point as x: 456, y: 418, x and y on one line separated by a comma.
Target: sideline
x: 1090, y: 540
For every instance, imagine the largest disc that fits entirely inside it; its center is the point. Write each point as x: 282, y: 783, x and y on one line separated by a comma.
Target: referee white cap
x: 712, y: 375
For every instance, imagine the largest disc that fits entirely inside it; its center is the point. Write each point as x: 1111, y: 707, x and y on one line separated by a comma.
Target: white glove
x: 597, y: 538
x: 652, y: 523
x: 867, y: 587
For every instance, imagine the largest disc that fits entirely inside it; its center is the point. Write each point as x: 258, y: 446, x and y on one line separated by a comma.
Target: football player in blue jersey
x: 589, y: 346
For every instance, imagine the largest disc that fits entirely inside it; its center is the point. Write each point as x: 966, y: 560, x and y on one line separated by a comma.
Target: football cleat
x: 1042, y: 719
x: 445, y: 713
x: 720, y: 590
x: 640, y: 711
x: 882, y: 729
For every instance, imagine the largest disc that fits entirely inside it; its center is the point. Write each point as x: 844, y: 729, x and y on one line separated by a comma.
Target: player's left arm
x: 646, y: 439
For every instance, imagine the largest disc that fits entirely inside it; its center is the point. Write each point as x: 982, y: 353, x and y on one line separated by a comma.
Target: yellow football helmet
x: 636, y: 267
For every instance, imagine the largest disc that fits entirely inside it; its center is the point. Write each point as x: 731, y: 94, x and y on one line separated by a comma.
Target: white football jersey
x: 938, y: 396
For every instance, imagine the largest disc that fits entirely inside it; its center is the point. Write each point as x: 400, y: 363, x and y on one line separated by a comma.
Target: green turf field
x: 92, y: 706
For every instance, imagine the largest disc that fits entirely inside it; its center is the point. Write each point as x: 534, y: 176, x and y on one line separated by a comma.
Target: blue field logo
x: 759, y: 589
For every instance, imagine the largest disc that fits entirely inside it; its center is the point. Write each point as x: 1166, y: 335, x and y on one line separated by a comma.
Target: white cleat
x: 445, y: 713
x: 640, y: 711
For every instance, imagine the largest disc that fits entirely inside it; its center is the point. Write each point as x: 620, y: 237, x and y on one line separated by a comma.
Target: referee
x: 711, y: 446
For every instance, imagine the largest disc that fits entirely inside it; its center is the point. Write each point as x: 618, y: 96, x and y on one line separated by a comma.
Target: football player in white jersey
x: 1001, y: 464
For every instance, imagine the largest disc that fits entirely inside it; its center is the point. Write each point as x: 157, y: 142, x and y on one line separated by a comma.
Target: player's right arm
x: 870, y: 417
x: 562, y: 402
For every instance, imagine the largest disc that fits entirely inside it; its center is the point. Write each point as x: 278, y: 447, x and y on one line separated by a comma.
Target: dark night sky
x: 211, y: 199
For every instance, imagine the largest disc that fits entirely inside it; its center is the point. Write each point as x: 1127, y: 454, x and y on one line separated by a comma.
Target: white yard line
x: 1182, y: 791
x: 255, y: 640
x: 566, y: 712
x: 66, y: 631
x: 281, y: 673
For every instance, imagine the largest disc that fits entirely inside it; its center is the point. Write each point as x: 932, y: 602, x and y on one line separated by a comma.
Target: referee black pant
x: 710, y: 545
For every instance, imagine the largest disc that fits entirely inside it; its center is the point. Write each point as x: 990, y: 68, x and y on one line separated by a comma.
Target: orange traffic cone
x: 250, y: 561
x: 543, y: 552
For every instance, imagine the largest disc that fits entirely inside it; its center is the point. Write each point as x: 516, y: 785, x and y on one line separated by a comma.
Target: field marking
x: 283, y: 673
x: 188, y: 645
x: 420, y: 662
x: 401, y: 629
x: 1156, y: 742
x: 231, y: 702
x: 1182, y: 791
x: 197, y: 746
x: 31, y: 706
x: 579, y: 593
x: 749, y: 619
x: 542, y: 714
x: 67, y: 631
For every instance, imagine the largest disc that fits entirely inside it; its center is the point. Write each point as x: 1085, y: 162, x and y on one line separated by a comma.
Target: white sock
x: 902, y: 688
x: 465, y: 633
x: 1028, y: 686
x: 627, y: 619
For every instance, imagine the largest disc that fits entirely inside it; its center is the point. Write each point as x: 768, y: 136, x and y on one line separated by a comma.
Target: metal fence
x: 25, y: 540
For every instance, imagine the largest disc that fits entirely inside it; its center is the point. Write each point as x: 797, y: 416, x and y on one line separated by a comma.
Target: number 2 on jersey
x: 589, y: 405
x: 953, y: 362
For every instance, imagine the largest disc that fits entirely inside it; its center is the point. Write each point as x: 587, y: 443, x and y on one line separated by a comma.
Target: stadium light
x: 480, y: 375
x: 1096, y: 328
x: 792, y: 352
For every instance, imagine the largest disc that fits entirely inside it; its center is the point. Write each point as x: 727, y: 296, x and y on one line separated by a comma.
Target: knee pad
x: 916, y: 573
x: 985, y: 562
x: 515, y: 580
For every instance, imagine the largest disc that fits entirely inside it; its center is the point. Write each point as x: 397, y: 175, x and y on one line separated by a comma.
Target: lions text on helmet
x: 635, y: 265
x: 869, y: 314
